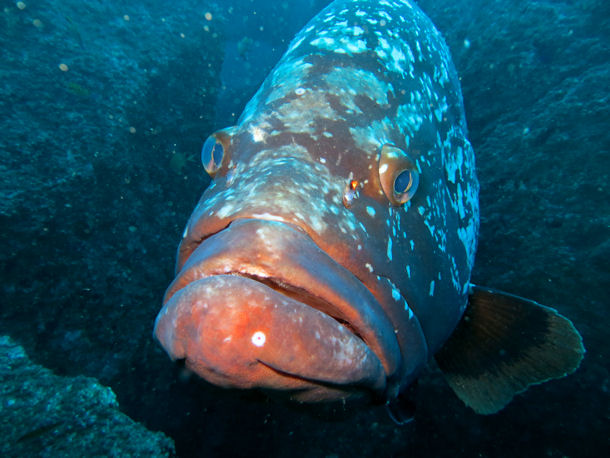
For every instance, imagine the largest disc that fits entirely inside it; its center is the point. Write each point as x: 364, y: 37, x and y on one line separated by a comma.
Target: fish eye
x: 216, y: 149
x: 211, y: 155
x: 397, y: 174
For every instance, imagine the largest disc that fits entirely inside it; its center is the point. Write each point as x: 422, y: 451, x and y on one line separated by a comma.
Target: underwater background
x: 104, y: 106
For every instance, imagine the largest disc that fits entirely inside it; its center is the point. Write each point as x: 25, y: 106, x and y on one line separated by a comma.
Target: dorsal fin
x: 504, y: 344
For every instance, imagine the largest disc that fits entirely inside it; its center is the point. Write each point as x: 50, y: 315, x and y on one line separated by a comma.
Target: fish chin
x: 260, y: 305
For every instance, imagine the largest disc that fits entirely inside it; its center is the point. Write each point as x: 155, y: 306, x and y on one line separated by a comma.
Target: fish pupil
x: 403, y: 182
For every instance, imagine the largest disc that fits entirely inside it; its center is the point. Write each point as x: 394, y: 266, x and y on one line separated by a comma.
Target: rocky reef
x: 42, y: 414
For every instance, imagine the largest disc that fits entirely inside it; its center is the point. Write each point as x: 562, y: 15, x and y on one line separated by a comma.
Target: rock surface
x: 42, y: 414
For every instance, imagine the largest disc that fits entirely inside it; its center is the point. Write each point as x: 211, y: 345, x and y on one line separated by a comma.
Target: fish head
x: 290, y: 274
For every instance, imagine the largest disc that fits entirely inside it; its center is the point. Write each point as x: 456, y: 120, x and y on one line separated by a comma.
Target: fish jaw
x: 260, y: 305
x: 238, y: 333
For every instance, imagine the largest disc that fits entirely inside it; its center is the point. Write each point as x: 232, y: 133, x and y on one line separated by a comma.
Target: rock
x: 42, y: 414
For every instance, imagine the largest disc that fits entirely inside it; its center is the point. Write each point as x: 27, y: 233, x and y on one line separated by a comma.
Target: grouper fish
x: 331, y: 255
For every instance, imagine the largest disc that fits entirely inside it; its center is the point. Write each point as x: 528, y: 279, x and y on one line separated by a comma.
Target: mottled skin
x: 272, y: 245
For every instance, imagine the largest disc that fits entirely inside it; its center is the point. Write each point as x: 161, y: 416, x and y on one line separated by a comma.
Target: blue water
x: 104, y: 107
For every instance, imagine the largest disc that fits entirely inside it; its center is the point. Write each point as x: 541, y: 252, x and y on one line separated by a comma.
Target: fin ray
x: 504, y: 344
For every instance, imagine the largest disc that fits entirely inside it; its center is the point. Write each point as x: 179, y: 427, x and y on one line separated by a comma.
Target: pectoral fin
x: 504, y: 344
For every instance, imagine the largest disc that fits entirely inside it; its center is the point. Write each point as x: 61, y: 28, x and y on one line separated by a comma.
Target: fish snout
x: 260, y: 305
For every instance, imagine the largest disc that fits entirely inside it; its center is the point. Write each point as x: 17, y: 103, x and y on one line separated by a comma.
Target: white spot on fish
x: 357, y: 47
x: 371, y: 211
x: 323, y: 42
x: 258, y: 134
x: 224, y: 211
x: 396, y: 294
x: 258, y: 339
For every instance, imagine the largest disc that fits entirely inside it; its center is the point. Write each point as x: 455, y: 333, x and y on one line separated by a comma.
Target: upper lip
x: 287, y: 260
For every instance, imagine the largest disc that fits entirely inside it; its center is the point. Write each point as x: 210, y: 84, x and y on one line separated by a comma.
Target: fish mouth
x: 259, y: 304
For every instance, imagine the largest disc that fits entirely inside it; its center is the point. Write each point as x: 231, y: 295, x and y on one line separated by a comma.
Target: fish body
x: 331, y: 255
